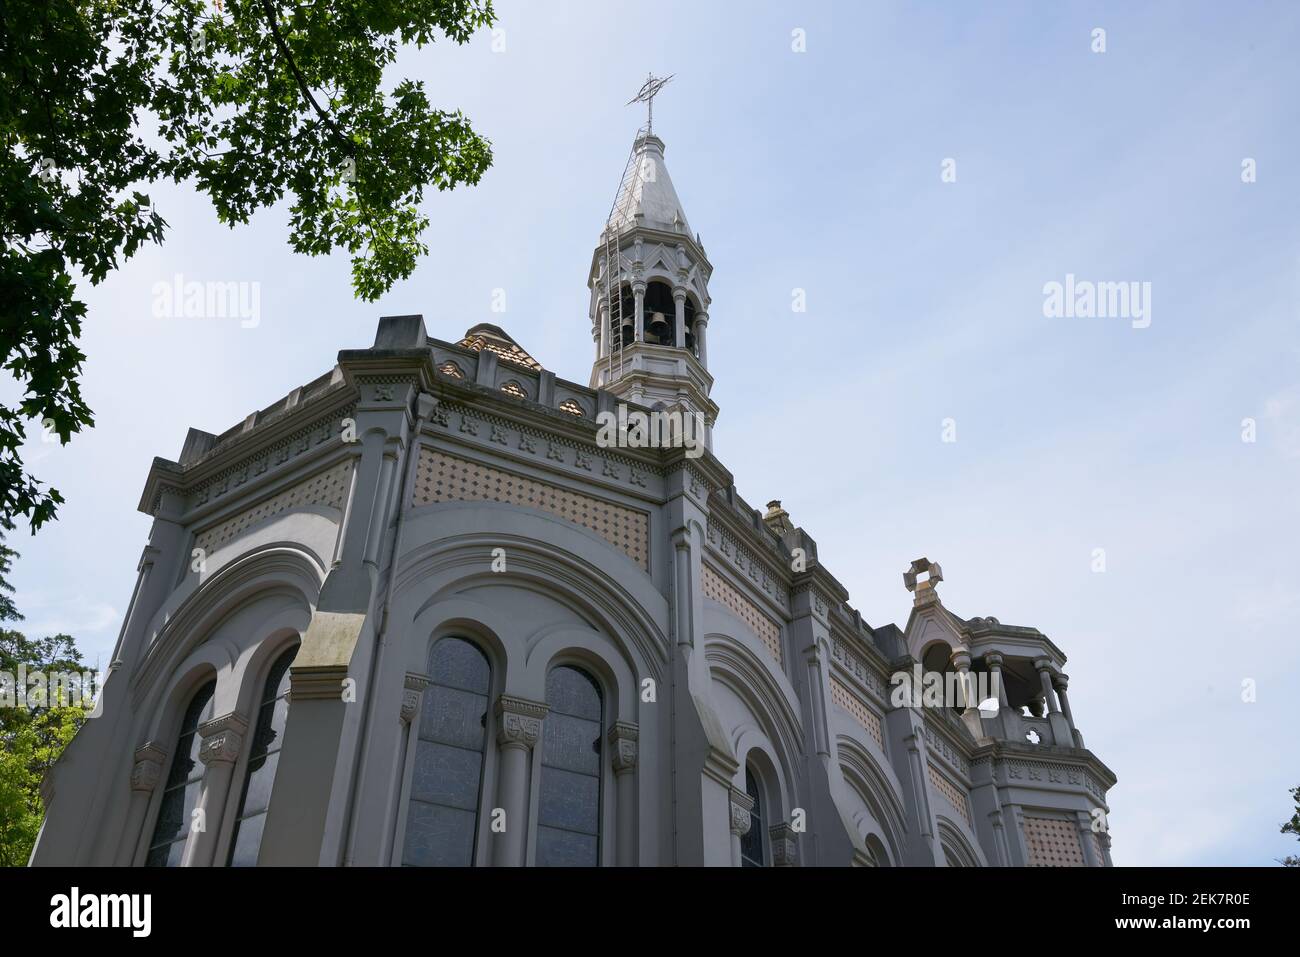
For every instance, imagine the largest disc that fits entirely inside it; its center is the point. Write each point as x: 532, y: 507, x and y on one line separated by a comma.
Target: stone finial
x: 923, y: 591
x: 777, y: 518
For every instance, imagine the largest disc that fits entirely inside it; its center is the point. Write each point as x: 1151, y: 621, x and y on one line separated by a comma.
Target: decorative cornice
x: 317, y: 683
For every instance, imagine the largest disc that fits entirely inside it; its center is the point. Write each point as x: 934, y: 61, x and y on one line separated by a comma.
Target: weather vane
x: 646, y: 95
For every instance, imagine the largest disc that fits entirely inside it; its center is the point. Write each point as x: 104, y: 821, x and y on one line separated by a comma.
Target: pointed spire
x: 646, y: 196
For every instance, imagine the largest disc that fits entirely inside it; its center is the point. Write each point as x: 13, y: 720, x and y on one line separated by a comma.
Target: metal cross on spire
x: 646, y: 95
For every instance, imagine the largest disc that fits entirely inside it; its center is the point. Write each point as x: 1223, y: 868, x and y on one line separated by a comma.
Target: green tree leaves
x: 251, y: 102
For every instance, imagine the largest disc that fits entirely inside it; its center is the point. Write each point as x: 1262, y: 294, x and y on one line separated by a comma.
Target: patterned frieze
x: 855, y: 665
x: 718, y: 588
x: 328, y: 488
x: 1039, y: 773
x: 272, y: 458
x: 442, y: 477
x: 551, y: 451
x: 762, y: 576
x: 939, y: 745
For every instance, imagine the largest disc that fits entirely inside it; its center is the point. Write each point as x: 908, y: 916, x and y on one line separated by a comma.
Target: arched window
x: 263, y: 759
x: 753, y: 846
x: 568, y: 815
x: 184, y: 782
x: 442, y: 817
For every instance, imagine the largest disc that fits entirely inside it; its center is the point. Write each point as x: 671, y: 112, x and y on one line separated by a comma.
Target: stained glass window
x: 568, y: 817
x: 183, y: 785
x: 263, y: 759
x: 442, y: 817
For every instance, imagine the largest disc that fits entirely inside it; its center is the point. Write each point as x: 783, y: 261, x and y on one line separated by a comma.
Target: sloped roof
x: 495, y: 339
x: 647, y: 189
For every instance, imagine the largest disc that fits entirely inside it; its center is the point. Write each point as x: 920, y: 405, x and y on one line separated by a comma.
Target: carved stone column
x: 702, y: 324
x: 223, y: 739
x: 785, y: 851
x: 1062, y: 682
x: 603, y: 311
x: 519, y: 726
x: 742, y: 805
x: 623, y: 748
x: 638, y: 291
x: 1062, y: 732
x: 150, y: 760
x: 679, y: 299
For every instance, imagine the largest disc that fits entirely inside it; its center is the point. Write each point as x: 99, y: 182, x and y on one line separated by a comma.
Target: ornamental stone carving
x: 147, y: 771
x: 222, y: 739
x: 742, y: 806
x: 623, y: 744
x: 519, y: 721
x: 412, y: 688
x: 785, y: 852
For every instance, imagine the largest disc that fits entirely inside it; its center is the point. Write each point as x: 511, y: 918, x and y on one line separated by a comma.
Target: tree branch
x: 301, y: 80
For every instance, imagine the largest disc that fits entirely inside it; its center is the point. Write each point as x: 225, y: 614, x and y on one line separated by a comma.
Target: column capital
x: 623, y: 739
x: 638, y: 287
x: 223, y: 737
x: 701, y: 317
x: 1044, y: 664
x: 520, y: 721
x: 993, y: 659
x: 679, y: 293
x: 1061, y: 681
x: 960, y: 659
x: 412, y: 688
x: 785, y: 852
x: 147, y: 770
x: 742, y: 805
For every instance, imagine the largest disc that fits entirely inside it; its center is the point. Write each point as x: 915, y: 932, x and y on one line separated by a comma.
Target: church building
x: 441, y: 606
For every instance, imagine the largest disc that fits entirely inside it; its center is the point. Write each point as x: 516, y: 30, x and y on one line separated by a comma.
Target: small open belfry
x: 417, y: 612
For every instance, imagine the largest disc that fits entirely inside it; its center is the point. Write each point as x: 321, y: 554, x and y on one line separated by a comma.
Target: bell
x: 659, y: 328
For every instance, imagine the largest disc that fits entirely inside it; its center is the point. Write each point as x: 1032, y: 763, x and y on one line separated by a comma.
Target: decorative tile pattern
x: 950, y: 791
x: 1053, y: 842
x: 440, y: 477
x: 768, y: 631
x: 328, y: 488
x: 572, y: 407
x: 844, y: 696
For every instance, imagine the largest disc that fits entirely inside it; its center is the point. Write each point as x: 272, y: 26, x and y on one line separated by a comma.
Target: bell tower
x: 649, y: 284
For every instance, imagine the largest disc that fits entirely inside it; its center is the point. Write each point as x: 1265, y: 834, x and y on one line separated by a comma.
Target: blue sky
x: 821, y: 171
